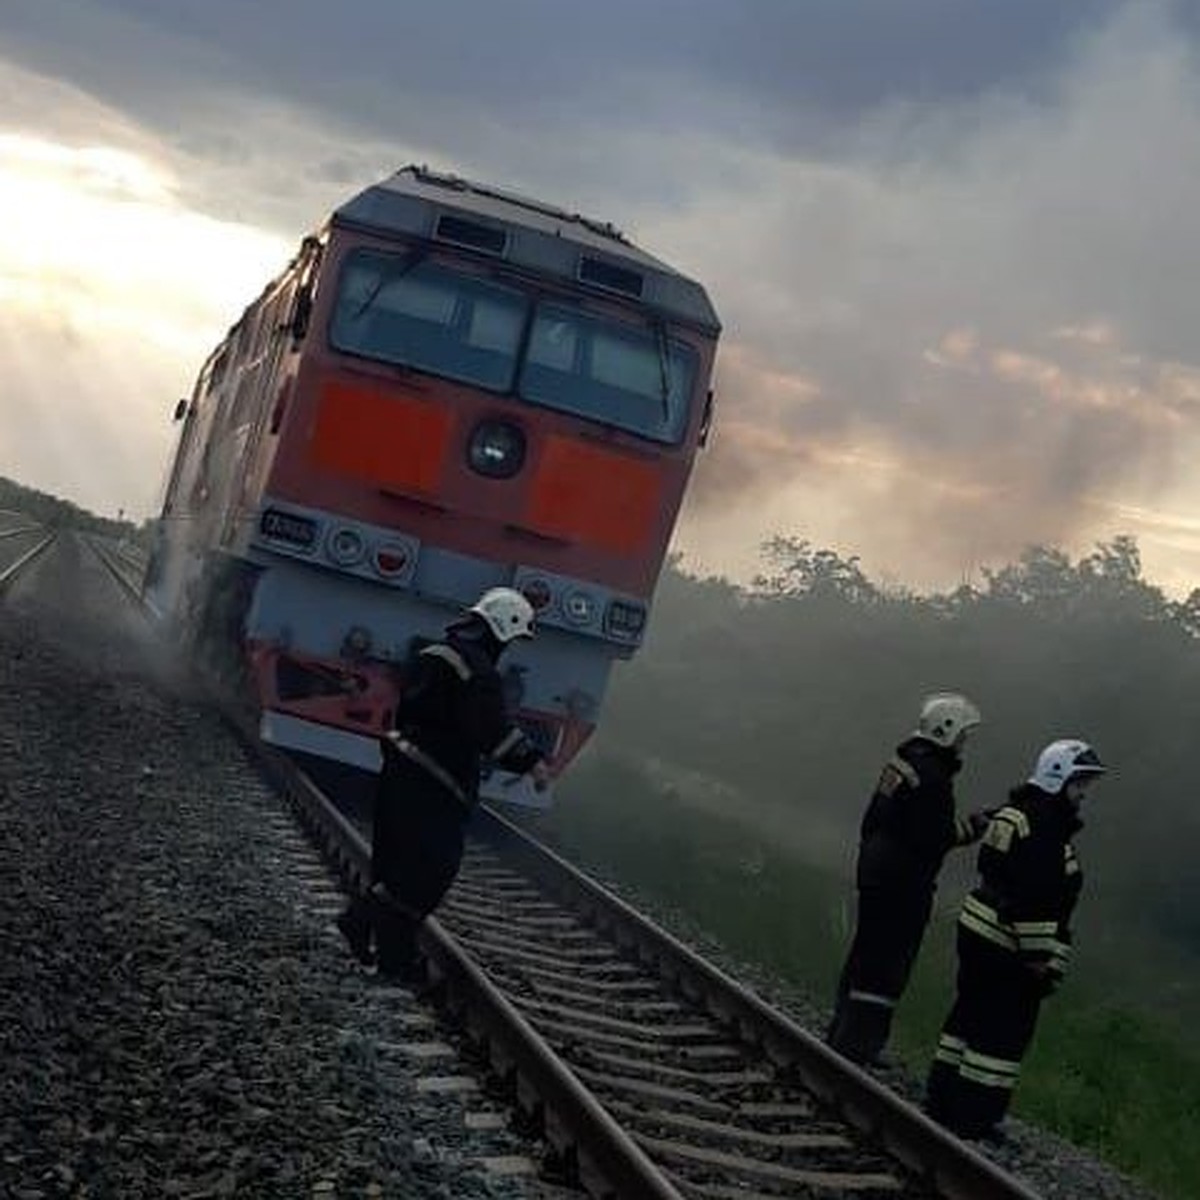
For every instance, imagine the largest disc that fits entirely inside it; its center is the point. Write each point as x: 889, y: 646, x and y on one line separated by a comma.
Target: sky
x: 955, y: 247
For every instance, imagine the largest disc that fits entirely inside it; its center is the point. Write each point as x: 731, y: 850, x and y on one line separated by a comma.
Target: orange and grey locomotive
x: 450, y: 388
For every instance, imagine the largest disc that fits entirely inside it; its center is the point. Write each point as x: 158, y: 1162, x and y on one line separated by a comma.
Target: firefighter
x: 1014, y: 941
x: 450, y: 716
x: 909, y: 826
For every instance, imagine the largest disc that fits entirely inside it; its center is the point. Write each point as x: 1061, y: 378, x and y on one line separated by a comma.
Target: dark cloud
x: 401, y: 67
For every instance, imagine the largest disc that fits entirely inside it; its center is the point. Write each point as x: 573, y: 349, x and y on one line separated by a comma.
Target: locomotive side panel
x: 224, y: 455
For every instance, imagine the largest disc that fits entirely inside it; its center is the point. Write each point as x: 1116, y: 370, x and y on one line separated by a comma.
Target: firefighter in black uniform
x: 1014, y: 940
x: 451, y: 715
x: 909, y: 826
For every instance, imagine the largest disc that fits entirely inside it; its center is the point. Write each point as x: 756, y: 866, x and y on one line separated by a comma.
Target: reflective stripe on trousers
x: 870, y: 998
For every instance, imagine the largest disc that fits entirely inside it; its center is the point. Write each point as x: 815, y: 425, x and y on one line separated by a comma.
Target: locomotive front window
x: 400, y: 309
x: 616, y: 374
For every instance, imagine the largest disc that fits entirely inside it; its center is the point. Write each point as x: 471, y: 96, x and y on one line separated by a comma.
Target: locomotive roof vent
x: 491, y: 239
x: 456, y: 183
x: 609, y: 275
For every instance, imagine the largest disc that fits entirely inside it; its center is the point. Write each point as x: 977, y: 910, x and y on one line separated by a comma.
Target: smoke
x: 974, y: 330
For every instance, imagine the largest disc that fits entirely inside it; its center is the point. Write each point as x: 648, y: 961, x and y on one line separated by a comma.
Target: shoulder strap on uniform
x: 415, y: 754
x: 907, y: 771
x: 450, y: 657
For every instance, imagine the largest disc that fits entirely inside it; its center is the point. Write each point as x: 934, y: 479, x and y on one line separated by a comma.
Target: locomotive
x: 450, y: 387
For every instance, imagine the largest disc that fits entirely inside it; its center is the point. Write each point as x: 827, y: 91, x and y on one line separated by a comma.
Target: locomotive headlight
x: 345, y: 546
x: 579, y: 607
x: 625, y: 620
x: 496, y: 449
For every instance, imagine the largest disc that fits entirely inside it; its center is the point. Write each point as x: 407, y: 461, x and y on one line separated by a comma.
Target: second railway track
x: 651, y: 1072
x: 11, y: 570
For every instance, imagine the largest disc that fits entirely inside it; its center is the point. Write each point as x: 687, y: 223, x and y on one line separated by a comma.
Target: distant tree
x: 1186, y: 613
x: 797, y: 569
x: 1118, y: 561
x: 1108, y: 581
x: 1042, y: 575
x: 949, y: 604
x: 1112, y: 575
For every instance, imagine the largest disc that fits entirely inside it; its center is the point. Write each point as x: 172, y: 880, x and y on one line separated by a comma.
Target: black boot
x: 860, y: 1031
x: 356, y: 925
x: 396, y: 941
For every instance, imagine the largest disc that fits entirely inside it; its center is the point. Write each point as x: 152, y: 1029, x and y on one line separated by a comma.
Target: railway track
x: 10, y: 571
x: 651, y: 1072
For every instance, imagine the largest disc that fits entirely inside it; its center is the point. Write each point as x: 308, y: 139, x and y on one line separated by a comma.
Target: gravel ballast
x: 177, y: 1014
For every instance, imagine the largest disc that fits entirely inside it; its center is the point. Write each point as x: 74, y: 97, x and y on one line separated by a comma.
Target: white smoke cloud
x: 994, y: 297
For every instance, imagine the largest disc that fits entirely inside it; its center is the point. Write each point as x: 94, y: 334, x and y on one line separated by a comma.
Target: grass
x: 1111, y: 1080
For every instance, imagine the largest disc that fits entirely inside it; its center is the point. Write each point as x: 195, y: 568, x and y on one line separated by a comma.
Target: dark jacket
x: 451, y: 716
x: 1029, y: 879
x: 910, y: 823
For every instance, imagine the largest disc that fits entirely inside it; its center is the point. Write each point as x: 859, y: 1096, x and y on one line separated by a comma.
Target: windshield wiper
x: 387, y: 277
x: 664, y: 366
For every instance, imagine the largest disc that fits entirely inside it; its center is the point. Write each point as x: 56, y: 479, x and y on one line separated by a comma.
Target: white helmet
x: 506, y: 613
x: 946, y: 715
x: 1063, y: 761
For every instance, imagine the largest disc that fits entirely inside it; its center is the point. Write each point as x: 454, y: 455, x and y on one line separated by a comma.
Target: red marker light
x: 390, y: 560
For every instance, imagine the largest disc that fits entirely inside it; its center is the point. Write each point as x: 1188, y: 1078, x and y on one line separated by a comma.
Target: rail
x: 602, y: 1155
x: 9, y: 574
x: 955, y: 1170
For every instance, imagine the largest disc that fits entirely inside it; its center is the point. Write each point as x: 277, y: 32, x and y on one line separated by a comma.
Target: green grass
x: 1109, y: 1078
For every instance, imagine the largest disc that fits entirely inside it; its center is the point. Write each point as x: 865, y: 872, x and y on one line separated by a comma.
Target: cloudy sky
x: 956, y: 246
